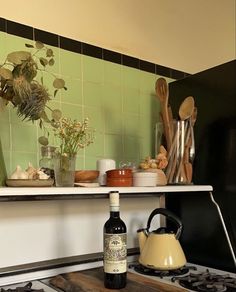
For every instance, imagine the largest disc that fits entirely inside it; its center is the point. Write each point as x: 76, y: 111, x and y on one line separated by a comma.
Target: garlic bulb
x: 32, y: 172
x: 42, y: 175
x: 15, y: 173
x: 19, y: 173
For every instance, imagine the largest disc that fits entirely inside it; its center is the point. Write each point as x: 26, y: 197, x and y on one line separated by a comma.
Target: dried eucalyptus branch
x: 19, y: 85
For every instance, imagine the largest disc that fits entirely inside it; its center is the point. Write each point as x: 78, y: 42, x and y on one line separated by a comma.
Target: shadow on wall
x: 3, y: 172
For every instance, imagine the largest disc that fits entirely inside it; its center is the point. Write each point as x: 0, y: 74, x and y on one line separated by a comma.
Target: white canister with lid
x: 144, y: 179
x: 103, y: 165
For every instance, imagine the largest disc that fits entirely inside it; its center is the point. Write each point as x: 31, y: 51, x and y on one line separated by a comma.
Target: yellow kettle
x: 160, y: 249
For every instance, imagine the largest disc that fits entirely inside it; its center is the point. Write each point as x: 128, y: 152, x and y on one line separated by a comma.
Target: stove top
x: 207, y: 281
x: 160, y: 273
x: 30, y: 286
x: 192, y: 277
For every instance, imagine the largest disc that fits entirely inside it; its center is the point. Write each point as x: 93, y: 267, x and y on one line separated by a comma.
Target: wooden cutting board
x: 92, y: 281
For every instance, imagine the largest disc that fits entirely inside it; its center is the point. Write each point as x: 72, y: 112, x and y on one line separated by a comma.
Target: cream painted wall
x: 38, y: 231
x: 187, y: 35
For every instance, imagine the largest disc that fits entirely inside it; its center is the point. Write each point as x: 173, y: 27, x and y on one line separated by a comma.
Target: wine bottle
x: 115, y: 250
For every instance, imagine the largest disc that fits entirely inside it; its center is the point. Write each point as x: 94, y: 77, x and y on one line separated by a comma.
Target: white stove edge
x: 15, y: 280
x: 35, y: 285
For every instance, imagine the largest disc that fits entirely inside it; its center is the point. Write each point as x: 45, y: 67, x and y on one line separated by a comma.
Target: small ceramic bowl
x: 161, y: 177
x: 119, y: 177
x: 119, y: 182
x: 119, y: 173
x: 145, y: 179
x: 86, y: 175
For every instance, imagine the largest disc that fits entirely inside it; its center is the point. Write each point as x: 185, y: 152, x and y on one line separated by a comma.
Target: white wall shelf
x: 57, y: 193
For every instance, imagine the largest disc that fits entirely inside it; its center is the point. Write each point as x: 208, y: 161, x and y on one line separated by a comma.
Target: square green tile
x: 113, y: 146
x: 112, y: 98
x: 131, y: 77
x: 23, y: 159
x: 73, y: 94
x: 79, y: 164
x: 7, y: 161
x: 131, y: 125
x: 146, y: 148
x: 131, y: 147
x: 131, y: 101
x: 71, y: 111
x: 112, y: 73
x: 91, y: 162
x: 114, y: 123
x: 145, y: 129
x: 96, y: 119
x: 92, y: 94
x: 4, y: 112
x: 97, y: 147
x: 24, y: 137
x: 15, y: 43
x: 146, y: 104
x: 70, y: 64
x: 5, y: 135
x: 147, y: 82
x: 92, y: 69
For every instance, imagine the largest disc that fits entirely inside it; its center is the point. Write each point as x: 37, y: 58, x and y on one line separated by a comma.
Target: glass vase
x: 47, y: 160
x: 3, y: 172
x: 181, y: 153
x: 64, y: 170
x: 179, y: 169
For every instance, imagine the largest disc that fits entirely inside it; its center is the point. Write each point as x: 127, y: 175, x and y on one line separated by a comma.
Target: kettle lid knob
x: 163, y: 230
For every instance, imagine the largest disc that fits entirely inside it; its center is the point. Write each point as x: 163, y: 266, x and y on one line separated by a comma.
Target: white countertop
x: 23, y: 191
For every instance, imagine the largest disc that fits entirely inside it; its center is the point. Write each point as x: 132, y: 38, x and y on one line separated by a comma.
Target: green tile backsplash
x: 119, y: 101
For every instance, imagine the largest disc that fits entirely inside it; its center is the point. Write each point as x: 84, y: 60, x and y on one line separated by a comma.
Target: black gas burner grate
x: 26, y: 288
x: 160, y: 273
x: 207, y: 282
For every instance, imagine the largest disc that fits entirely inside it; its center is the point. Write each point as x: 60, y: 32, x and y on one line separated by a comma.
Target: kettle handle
x: 170, y: 216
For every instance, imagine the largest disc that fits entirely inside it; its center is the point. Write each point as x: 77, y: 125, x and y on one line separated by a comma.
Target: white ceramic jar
x: 103, y: 165
x: 144, y: 179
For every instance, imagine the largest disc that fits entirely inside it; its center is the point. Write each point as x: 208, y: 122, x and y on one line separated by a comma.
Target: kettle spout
x: 142, y: 237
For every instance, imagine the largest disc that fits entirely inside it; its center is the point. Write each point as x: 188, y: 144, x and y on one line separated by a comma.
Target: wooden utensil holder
x: 179, y: 169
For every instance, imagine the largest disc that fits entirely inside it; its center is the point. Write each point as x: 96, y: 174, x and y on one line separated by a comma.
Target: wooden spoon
x: 186, y: 108
x: 185, y: 112
x: 162, y: 93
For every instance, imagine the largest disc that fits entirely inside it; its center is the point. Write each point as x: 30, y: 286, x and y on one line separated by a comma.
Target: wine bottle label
x: 115, y: 253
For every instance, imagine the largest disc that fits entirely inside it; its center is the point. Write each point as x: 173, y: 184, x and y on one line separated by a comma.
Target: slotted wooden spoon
x: 162, y: 93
